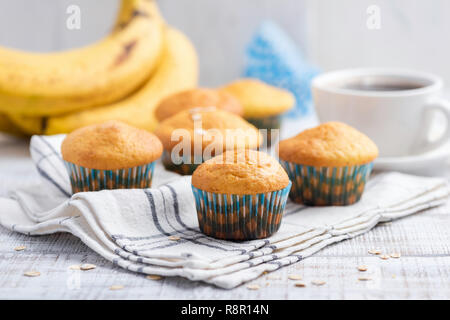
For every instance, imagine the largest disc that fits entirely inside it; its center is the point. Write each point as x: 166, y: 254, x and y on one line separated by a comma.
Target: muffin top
x: 194, y: 98
x: 210, y: 126
x: 332, y: 144
x: 240, y: 172
x: 110, y: 145
x: 260, y: 99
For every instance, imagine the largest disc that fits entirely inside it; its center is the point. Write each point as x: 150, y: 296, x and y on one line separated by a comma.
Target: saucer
x: 430, y: 163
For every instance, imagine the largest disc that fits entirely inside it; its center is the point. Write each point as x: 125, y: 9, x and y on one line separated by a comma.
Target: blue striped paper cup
x: 327, y: 186
x: 240, y: 217
x: 84, y: 179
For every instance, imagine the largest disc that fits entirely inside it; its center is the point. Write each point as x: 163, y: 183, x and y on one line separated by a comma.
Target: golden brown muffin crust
x: 212, y: 121
x: 193, y: 98
x: 240, y: 172
x: 260, y: 99
x: 110, y: 145
x: 332, y: 144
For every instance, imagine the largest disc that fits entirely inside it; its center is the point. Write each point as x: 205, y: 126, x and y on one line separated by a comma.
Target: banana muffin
x: 240, y: 195
x: 328, y: 165
x: 110, y: 155
x: 263, y: 104
x: 192, y: 136
x: 194, y: 98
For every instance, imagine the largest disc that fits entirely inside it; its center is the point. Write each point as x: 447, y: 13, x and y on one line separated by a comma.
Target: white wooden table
x: 423, y: 271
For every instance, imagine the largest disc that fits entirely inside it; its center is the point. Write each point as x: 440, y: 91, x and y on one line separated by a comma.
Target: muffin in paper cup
x: 110, y: 155
x: 328, y: 165
x: 263, y: 104
x: 193, y: 136
x: 197, y: 98
x: 240, y: 217
x: 327, y: 186
x: 227, y: 200
x: 85, y: 179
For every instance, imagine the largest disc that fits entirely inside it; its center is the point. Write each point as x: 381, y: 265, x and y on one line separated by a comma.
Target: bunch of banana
x: 122, y: 77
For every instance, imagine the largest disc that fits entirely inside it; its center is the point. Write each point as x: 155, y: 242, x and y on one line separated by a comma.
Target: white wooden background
x: 333, y: 34
x: 423, y: 271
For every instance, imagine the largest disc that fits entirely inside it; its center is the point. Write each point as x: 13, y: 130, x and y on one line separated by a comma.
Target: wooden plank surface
x: 422, y: 272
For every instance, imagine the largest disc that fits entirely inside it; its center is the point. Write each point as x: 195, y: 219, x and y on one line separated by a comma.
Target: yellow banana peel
x: 43, y: 84
x: 7, y: 126
x: 177, y: 71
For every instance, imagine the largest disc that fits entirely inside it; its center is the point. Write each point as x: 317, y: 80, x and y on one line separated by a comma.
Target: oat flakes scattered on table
x: 87, y: 266
x: 253, y: 287
x: 20, y: 248
x: 153, y: 277
x: 362, y: 268
x: 32, y: 273
x: 364, y: 279
x: 295, y: 277
x: 75, y: 267
x: 318, y: 282
x: 116, y: 287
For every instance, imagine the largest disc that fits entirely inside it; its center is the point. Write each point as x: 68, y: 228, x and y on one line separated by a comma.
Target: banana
x: 7, y: 126
x: 43, y: 84
x: 28, y: 125
x: 177, y: 71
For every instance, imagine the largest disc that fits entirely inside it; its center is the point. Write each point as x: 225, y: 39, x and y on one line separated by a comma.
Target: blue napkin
x: 273, y: 57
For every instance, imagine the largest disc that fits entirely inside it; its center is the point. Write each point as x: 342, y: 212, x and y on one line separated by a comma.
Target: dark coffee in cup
x: 383, y: 84
x: 383, y: 87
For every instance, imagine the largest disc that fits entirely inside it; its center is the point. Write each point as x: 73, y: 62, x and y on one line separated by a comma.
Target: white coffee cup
x: 395, y: 108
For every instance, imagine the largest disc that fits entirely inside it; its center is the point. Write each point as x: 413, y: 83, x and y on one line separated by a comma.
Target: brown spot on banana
x: 44, y: 123
x: 125, y: 54
x: 139, y: 13
x: 134, y: 14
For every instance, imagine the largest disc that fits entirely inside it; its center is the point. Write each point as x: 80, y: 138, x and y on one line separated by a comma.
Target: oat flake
x: 116, y: 287
x: 318, y: 282
x: 253, y: 287
x: 87, y: 266
x: 300, y: 284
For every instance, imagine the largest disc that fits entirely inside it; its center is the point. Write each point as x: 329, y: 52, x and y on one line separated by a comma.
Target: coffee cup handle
x: 434, y: 105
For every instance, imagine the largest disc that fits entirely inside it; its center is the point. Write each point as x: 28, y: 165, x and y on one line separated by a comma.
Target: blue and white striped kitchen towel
x: 134, y: 228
